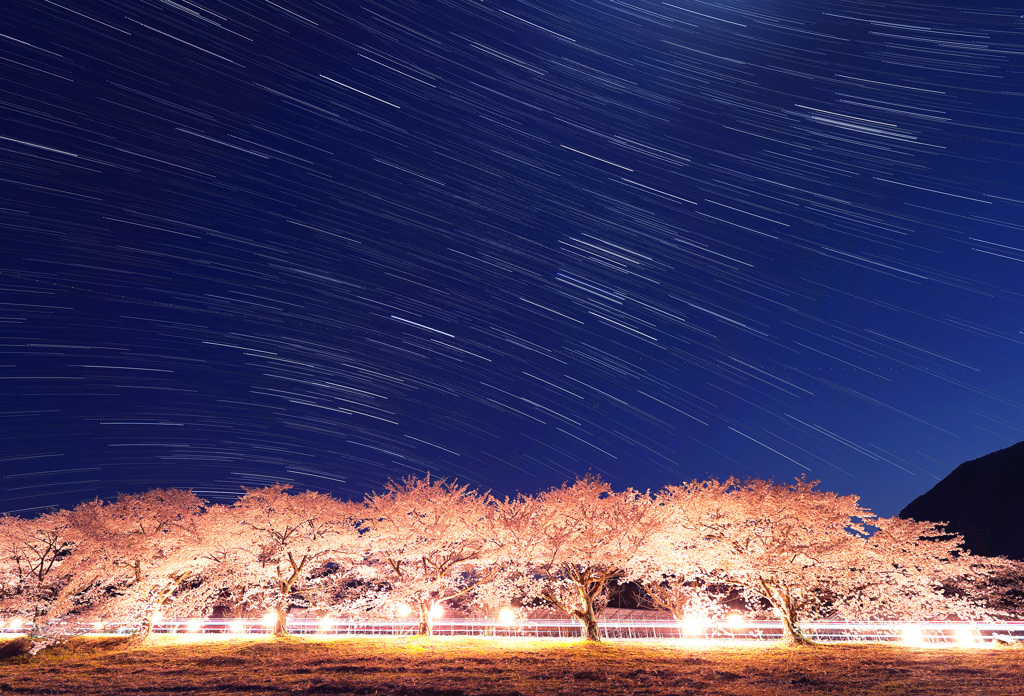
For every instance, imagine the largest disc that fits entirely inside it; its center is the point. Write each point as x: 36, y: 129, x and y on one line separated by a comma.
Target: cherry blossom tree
x: 919, y: 571
x: 31, y: 553
x: 431, y: 541
x: 686, y: 555
x: 222, y: 569
x: 791, y: 545
x: 130, y: 555
x: 271, y: 548
x: 809, y: 553
x: 573, y: 541
x: 1000, y: 588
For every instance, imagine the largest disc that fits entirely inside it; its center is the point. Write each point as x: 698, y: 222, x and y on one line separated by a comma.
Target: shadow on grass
x: 14, y: 647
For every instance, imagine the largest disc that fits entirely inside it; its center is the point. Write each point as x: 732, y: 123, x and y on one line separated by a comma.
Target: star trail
x: 508, y: 242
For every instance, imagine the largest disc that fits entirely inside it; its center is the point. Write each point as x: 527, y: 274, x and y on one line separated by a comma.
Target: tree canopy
x: 425, y: 545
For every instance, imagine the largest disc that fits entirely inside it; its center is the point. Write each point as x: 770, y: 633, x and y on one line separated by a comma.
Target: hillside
x: 982, y: 499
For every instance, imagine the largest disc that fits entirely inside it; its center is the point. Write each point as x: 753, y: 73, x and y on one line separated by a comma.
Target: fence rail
x: 921, y: 633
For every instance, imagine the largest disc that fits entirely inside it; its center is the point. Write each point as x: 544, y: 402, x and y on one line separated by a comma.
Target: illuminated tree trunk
x: 161, y: 596
x: 589, y: 588
x: 588, y: 623
x: 791, y: 632
x: 147, y: 627
x: 785, y: 608
x: 426, y: 625
x: 281, y: 620
x: 286, y: 585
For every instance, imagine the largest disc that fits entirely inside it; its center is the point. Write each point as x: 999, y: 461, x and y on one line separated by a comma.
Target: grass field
x: 479, y: 667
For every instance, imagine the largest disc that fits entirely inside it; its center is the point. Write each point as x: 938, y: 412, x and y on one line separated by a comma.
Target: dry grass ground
x: 481, y: 667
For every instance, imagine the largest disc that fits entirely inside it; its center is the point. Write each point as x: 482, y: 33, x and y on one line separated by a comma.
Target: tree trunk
x: 281, y: 621
x: 588, y: 623
x: 147, y: 627
x: 786, y: 610
x: 145, y: 630
x: 791, y: 632
x: 426, y: 626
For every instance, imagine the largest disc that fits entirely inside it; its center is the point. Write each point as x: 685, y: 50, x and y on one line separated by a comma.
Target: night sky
x: 329, y: 243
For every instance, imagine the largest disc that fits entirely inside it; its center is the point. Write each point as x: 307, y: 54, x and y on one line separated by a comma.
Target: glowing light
x: 98, y: 626
x: 270, y: 619
x: 194, y: 625
x: 326, y: 623
x: 734, y: 620
x: 913, y: 636
x: 436, y: 611
x: 965, y: 636
x: 156, y: 617
x: 694, y: 625
x: 404, y: 610
x: 237, y: 626
x: 507, y: 616
x: 15, y: 624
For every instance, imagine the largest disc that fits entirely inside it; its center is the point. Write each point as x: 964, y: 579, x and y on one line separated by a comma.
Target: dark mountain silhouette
x: 983, y: 500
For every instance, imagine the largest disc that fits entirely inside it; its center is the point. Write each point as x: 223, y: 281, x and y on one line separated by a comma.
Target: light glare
x: 694, y: 625
x: 965, y: 636
x: 507, y: 616
x: 913, y: 636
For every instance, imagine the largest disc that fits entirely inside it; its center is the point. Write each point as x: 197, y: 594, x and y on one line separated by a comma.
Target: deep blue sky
x: 507, y: 242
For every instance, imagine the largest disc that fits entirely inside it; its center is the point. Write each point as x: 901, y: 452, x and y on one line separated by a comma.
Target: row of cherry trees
x: 421, y: 543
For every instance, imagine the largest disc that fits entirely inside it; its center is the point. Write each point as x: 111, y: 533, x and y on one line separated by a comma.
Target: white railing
x: 919, y: 633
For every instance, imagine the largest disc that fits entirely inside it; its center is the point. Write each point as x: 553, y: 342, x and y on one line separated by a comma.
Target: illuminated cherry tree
x: 917, y: 570
x: 808, y: 553
x: 130, y: 555
x: 31, y: 553
x: 431, y: 541
x: 272, y: 548
x: 795, y: 547
x: 572, y: 542
x: 685, y: 555
x: 999, y: 589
